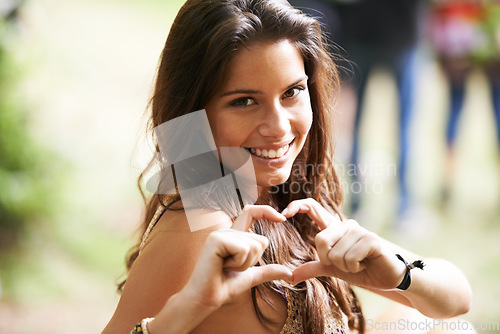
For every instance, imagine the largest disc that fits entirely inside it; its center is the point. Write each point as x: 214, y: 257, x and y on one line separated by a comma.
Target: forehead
x: 262, y: 62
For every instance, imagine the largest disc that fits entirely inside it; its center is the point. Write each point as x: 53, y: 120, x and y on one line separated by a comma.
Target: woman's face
x: 264, y: 107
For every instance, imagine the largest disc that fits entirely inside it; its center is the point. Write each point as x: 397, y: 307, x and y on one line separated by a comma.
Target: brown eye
x: 292, y: 92
x: 243, y: 102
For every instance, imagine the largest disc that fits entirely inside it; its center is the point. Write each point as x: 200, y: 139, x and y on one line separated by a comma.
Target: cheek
x: 304, y: 121
x: 308, y: 122
x: 226, y: 132
x: 305, y: 115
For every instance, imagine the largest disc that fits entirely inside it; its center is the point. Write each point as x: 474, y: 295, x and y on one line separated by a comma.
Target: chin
x: 272, y: 180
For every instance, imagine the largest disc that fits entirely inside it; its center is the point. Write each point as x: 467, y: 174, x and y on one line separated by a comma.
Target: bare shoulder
x: 193, y: 222
x: 173, y: 248
x: 163, y: 266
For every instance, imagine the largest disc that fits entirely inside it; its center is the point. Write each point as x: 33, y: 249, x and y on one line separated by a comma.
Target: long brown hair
x: 203, y: 39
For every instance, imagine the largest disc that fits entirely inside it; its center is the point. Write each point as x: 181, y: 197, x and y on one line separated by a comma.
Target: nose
x: 275, y: 121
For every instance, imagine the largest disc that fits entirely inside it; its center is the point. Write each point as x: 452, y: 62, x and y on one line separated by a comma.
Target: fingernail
x: 284, y: 212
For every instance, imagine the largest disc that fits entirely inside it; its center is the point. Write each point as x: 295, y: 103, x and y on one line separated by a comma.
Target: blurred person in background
x: 375, y: 33
x: 465, y: 36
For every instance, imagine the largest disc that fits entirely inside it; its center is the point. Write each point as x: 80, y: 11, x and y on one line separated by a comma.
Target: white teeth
x: 279, y: 153
x: 270, y: 154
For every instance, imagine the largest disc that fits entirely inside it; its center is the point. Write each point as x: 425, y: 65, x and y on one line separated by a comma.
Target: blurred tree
x: 25, y: 182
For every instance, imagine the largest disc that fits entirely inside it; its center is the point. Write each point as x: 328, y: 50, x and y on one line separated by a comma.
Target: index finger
x: 255, y: 212
x: 322, y: 217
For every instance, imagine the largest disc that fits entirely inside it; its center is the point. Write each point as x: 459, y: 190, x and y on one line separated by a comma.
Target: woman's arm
x: 181, y: 314
x: 352, y: 253
x: 162, y: 269
x: 441, y: 290
x: 222, y: 272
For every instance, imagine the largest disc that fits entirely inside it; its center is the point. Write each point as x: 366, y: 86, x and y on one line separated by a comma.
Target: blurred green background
x: 75, y: 78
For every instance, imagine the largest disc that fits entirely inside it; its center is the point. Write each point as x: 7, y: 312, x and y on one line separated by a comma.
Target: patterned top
x: 294, y: 321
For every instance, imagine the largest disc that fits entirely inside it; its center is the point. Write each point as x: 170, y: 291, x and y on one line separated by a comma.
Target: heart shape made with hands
x: 346, y: 250
x: 316, y: 268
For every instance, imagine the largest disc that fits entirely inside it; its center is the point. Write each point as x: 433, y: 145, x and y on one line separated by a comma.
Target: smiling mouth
x: 270, y: 153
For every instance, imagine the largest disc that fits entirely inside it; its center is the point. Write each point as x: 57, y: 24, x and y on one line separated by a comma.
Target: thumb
x: 270, y: 272
x: 309, y: 270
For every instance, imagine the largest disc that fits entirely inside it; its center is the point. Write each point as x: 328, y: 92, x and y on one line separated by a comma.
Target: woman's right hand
x: 225, y: 269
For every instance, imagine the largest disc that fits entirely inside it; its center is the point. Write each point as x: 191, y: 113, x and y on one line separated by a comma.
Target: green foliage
x: 489, y: 48
x: 26, y: 185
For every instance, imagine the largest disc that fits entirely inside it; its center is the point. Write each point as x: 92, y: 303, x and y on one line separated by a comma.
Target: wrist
x: 406, y: 282
x: 181, y: 314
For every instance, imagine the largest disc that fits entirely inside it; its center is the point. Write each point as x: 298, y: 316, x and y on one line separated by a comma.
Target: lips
x: 270, y: 153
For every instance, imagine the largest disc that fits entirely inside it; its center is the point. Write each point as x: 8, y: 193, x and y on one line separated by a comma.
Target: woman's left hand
x: 347, y: 251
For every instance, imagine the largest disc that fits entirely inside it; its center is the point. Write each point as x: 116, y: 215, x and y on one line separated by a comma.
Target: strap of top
x: 334, y: 324
x: 159, y: 212
x: 156, y: 217
x: 293, y: 324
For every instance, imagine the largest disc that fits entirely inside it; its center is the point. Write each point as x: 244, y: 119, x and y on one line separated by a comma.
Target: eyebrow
x: 252, y: 91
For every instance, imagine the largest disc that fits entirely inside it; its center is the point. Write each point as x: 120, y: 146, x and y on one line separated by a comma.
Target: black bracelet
x: 405, y: 283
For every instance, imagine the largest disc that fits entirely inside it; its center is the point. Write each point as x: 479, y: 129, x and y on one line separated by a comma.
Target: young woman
x: 285, y: 265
